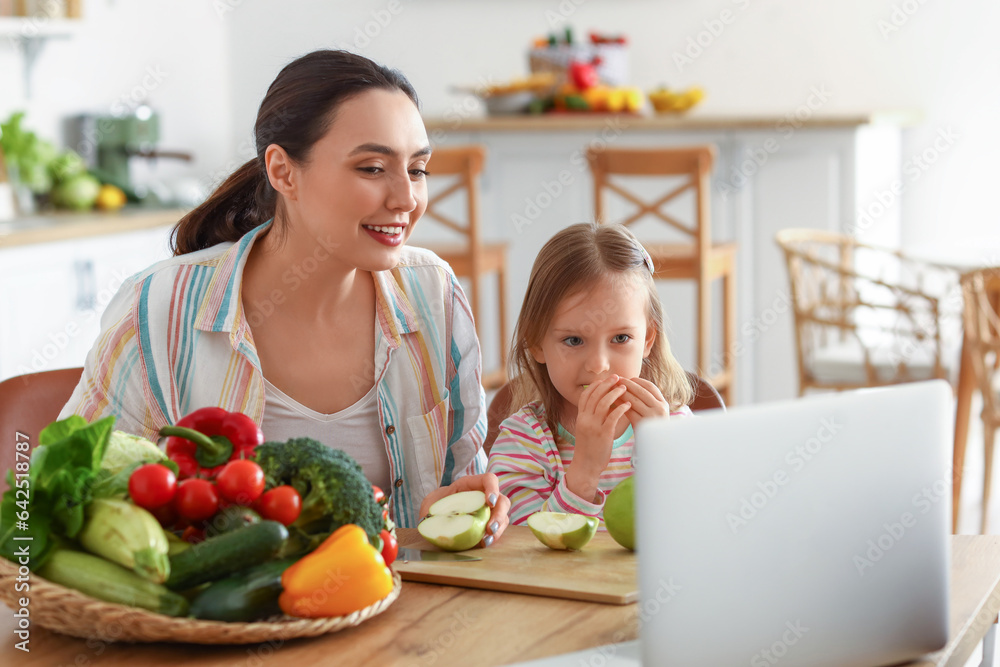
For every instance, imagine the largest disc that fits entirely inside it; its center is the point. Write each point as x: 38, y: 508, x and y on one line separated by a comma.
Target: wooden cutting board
x: 518, y: 563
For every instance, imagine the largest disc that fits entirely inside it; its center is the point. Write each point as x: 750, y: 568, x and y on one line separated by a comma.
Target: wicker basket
x: 73, y: 613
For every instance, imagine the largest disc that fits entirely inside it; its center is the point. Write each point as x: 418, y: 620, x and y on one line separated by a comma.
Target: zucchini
x: 249, y: 596
x: 110, y: 582
x: 222, y: 555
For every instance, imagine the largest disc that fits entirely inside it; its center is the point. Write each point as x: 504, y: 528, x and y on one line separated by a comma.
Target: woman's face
x: 363, y: 187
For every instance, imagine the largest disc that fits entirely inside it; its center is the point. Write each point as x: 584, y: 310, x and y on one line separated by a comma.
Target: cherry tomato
x: 281, y: 504
x: 152, y: 485
x: 196, y: 499
x: 379, y: 496
x: 240, y: 482
x: 193, y: 535
x: 390, y: 547
x: 166, y: 515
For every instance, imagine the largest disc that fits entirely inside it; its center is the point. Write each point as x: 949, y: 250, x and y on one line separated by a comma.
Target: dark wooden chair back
x: 29, y: 403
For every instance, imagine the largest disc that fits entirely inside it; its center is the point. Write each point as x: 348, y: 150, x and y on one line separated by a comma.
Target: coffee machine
x: 108, y: 144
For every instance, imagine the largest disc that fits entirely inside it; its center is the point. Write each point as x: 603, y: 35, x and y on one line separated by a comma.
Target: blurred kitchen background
x: 163, y: 96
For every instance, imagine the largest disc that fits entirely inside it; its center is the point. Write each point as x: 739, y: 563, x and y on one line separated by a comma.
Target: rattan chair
x: 696, y: 257
x: 981, y: 290
x: 29, y: 403
x: 459, y: 167
x: 868, y: 316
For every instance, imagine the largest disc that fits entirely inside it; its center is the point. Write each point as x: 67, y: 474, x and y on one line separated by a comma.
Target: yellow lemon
x: 110, y: 198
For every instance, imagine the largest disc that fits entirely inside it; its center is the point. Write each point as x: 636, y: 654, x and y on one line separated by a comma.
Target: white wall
x: 171, y: 56
x: 940, y: 59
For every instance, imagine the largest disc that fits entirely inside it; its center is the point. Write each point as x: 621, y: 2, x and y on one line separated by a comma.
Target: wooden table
x: 444, y: 625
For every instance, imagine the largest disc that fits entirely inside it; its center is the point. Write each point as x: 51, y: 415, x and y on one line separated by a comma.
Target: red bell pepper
x: 204, y: 441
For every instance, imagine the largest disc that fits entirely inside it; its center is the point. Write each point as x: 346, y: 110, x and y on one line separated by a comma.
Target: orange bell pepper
x: 344, y: 574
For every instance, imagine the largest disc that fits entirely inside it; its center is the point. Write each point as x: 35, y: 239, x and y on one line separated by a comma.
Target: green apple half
x: 456, y: 522
x: 619, y: 513
x: 558, y: 530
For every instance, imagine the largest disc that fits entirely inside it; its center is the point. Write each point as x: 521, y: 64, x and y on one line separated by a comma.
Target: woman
x: 292, y: 298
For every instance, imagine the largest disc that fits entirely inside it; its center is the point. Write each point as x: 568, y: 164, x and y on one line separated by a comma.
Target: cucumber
x: 222, y: 555
x: 245, y: 597
x: 110, y: 582
x: 231, y: 518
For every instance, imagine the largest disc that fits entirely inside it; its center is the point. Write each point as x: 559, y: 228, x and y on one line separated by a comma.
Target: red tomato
x: 196, y: 499
x: 390, y: 547
x: 193, y: 535
x: 240, y: 482
x: 281, y: 504
x: 152, y: 485
x: 166, y: 515
x: 379, y: 496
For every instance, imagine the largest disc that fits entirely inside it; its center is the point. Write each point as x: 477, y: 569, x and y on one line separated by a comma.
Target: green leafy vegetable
x: 125, y: 453
x: 63, y: 469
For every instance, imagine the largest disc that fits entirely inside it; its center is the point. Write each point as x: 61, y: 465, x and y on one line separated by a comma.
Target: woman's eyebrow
x: 386, y: 150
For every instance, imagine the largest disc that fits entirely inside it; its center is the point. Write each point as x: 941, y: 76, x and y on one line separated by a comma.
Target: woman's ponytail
x: 243, y: 201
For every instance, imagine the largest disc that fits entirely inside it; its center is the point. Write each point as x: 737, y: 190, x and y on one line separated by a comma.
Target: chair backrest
x: 693, y: 164
x: 29, y: 403
x: 981, y: 292
x: 879, y: 301
x: 464, y: 164
x: 705, y: 398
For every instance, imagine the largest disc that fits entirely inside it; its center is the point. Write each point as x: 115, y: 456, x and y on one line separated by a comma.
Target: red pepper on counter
x: 204, y: 441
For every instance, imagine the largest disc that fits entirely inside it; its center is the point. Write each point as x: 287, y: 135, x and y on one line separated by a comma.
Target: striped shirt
x: 530, y: 462
x: 175, y: 338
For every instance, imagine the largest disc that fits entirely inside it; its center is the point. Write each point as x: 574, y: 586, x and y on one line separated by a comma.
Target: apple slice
x: 456, y: 522
x: 558, y: 530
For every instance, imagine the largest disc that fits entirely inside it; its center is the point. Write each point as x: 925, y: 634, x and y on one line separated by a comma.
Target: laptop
x: 805, y: 532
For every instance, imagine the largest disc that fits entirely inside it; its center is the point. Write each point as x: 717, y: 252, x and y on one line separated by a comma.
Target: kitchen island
x: 803, y: 168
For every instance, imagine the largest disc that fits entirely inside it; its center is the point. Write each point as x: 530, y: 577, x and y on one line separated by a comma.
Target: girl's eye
x: 419, y: 173
x: 621, y: 338
x: 371, y: 170
x: 572, y: 341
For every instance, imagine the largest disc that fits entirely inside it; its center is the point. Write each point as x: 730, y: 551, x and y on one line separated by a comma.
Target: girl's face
x: 596, y: 332
x: 363, y: 187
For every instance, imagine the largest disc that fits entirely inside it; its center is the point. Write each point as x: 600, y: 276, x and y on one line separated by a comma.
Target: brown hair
x: 572, y: 261
x: 296, y: 112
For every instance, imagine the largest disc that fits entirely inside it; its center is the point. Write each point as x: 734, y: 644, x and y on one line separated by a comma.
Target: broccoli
x: 333, y: 487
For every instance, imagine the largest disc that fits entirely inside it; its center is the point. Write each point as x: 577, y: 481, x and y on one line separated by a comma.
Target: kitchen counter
x: 63, y: 226
x: 684, y: 121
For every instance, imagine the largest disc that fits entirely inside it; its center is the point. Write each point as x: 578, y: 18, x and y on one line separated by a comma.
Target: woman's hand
x: 488, y: 484
x: 646, y: 400
x: 597, y: 419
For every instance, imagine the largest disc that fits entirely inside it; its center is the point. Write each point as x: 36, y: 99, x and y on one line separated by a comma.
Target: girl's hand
x: 488, y: 484
x: 597, y: 419
x: 645, y: 399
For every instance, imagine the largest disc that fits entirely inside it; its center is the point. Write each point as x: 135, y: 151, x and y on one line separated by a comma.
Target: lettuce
x: 59, y: 486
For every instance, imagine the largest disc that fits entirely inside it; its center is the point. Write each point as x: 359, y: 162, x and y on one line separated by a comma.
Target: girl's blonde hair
x: 572, y: 261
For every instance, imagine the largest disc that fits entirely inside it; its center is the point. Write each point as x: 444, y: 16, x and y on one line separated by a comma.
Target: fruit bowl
x: 672, y: 101
x: 72, y: 613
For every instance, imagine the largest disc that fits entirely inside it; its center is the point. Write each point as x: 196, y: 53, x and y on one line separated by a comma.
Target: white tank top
x: 354, y: 429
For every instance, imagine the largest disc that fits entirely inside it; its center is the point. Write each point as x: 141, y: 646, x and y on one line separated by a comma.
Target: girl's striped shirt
x: 530, y: 461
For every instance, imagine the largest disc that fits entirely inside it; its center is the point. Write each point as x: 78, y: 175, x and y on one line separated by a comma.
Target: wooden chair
x: 29, y: 403
x: 473, y: 257
x: 867, y: 316
x: 706, y: 397
x: 697, y: 258
x: 981, y: 291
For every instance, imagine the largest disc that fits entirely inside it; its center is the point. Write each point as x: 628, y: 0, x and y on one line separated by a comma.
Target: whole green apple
x: 619, y: 513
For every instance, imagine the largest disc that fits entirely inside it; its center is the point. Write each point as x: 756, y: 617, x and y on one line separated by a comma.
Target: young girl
x: 591, y: 360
